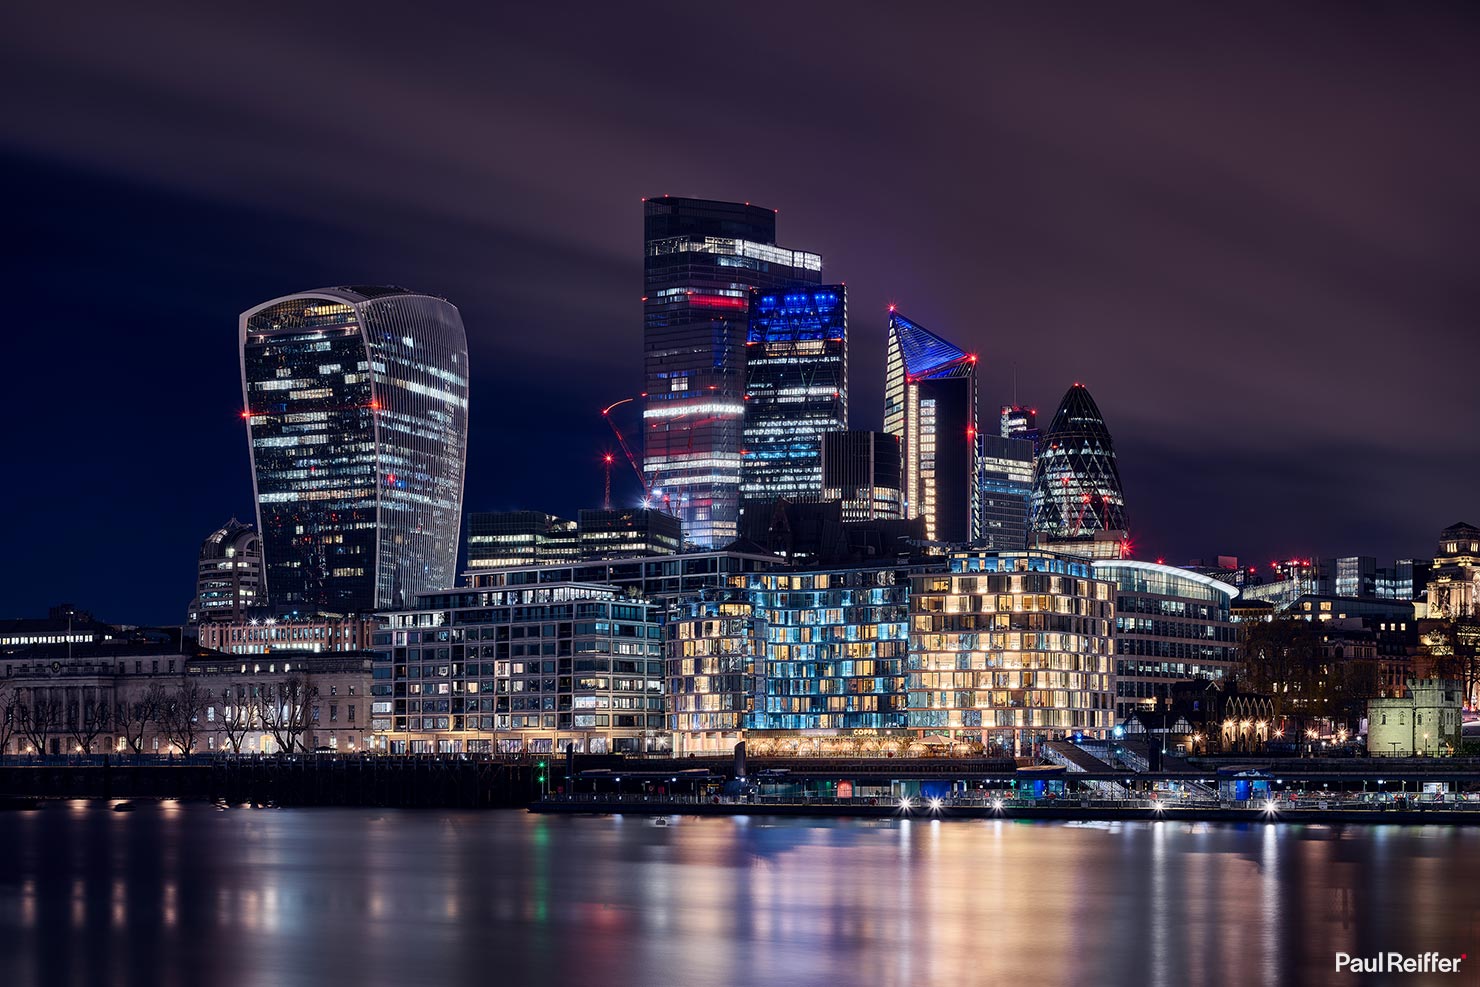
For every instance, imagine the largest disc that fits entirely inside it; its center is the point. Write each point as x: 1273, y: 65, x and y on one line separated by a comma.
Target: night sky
x: 1251, y: 233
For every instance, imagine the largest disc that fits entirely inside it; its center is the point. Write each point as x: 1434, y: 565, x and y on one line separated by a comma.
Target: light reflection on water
x: 186, y: 893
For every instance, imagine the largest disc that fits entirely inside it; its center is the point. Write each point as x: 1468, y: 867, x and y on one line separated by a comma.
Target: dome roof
x: 234, y: 536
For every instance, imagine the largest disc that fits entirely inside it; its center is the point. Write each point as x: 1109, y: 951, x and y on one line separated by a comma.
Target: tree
x: 237, y: 720
x: 37, y: 718
x: 181, y: 713
x: 1290, y: 660
x: 132, y: 716
x: 1453, y: 643
x: 286, y: 713
x: 8, y: 715
x: 89, y: 718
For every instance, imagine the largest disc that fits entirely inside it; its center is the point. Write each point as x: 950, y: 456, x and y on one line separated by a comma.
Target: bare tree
x: 37, y: 718
x: 287, y: 712
x: 1454, y: 646
x: 8, y: 715
x: 91, y: 717
x: 181, y: 713
x: 133, y: 716
x: 238, y: 715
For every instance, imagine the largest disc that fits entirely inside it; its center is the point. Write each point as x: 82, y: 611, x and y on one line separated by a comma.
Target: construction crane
x: 606, y: 500
x: 647, y: 487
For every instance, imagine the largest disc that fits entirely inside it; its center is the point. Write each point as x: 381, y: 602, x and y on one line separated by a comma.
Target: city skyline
x: 1319, y: 431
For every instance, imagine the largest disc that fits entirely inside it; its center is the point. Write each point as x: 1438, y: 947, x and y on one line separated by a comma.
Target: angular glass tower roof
x: 1076, y: 484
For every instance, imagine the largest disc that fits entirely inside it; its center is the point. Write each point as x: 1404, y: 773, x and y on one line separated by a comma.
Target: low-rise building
x: 137, y: 699
x: 1424, y: 721
x: 264, y: 636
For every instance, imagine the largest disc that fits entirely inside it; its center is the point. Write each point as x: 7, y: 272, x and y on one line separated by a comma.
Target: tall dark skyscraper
x: 1076, y: 484
x: 796, y: 389
x: 930, y: 404
x: 861, y: 470
x: 1005, y: 481
x: 357, y: 420
x: 701, y: 260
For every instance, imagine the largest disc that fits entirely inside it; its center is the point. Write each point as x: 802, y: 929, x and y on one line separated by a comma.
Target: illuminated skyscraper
x: 860, y: 470
x: 1076, y: 484
x: 930, y: 404
x: 1020, y: 423
x: 357, y: 420
x: 796, y: 389
x: 701, y: 260
x: 1005, y: 480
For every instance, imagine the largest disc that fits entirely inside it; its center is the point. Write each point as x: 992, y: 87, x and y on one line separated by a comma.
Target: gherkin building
x: 1076, y: 485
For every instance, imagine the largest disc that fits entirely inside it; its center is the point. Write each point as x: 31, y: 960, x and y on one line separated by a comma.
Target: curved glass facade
x: 1010, y: 650
x: 356, y: 402
x: 1171, y: 625
x: 1076, y: 483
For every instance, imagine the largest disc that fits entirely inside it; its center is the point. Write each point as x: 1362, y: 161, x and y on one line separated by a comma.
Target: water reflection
x: 179, y: 894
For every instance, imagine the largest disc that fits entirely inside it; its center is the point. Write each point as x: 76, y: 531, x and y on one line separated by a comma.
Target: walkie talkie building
x: 356, y: 403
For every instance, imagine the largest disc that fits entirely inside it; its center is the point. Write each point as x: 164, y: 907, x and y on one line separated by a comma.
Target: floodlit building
x: 1171, y: 625
x: 1424, y: 721
x: 1011, y: 649
x: 228, y: 581
x: 356, y: 404
x: 930, y: 405
x: 701, y: 260
x: 796, y: 389
x: 1454, y: 582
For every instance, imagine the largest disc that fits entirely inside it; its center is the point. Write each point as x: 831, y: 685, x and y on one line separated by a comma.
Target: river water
x: 174, y: 894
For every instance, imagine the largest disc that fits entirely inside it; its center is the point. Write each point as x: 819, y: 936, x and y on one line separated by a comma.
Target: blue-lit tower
x: 796, y: 389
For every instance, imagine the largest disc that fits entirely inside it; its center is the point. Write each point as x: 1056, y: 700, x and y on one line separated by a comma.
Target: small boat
x: 660, y: 821
x: 123, y: 807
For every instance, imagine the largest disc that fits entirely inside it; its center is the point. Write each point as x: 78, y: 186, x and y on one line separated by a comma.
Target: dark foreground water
x: 174, y: 895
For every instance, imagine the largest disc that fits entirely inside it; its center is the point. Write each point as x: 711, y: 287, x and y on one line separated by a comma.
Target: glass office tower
x: 796, y: 390
x: 356, y: 403
x: 1076, y: 484
x: 930, y: 404
x: 1004, y: 481
x: 701, y: 259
